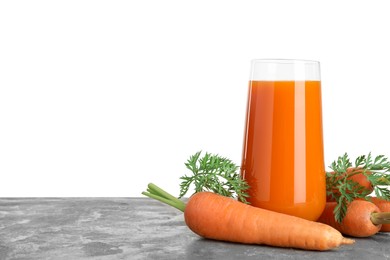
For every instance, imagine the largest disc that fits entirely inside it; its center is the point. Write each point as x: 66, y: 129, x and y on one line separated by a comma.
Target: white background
x: 98, y: 98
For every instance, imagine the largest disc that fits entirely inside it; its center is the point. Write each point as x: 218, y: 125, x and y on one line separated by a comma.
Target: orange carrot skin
x: 383, y: 206
x: 217, y: 217
x: 356, y: 223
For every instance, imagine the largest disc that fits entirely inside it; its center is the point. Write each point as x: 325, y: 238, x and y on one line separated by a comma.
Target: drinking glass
x: 283, y: 160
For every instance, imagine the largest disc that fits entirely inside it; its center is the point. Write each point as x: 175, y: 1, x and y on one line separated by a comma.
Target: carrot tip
x: 347, y: 241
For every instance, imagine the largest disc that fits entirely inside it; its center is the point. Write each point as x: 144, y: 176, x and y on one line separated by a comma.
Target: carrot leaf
x: 216, y: 174
x: 341, y: 209
x: 382, y: 192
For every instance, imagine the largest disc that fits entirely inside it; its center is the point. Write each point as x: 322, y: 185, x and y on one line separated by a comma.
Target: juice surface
x: 283, y: 159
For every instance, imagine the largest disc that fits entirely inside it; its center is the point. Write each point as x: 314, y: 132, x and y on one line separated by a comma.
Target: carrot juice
x: 283, y: 160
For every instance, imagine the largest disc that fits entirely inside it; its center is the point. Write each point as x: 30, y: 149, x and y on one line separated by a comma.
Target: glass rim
x: 285, y: 69
x: 285, y: 61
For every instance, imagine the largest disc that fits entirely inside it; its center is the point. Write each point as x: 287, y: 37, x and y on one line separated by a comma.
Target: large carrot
x: 218, y: 217
x: 384, y: 206
x: 362, y: 219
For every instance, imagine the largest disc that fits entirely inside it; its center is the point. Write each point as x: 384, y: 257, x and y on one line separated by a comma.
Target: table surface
x: 133, y: 228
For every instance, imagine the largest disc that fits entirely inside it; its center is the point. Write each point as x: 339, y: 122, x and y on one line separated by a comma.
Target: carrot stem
x: 161, y: 195
x: 153, y: 188
x: 380, y: 218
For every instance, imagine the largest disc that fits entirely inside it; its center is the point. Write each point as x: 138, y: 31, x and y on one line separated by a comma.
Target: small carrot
x: 384, y: 206
x: 221, y: 218
x: 360, y: 176
x: 362, y: 219
x: 357, y: 175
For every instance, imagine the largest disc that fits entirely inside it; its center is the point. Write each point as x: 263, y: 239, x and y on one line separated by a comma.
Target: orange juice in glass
x: 283, y: 160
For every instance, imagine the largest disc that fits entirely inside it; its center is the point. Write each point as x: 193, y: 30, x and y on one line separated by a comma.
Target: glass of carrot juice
x: 283, y: 159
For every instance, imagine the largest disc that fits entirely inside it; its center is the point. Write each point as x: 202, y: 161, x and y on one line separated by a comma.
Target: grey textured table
x: 133, y: 228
